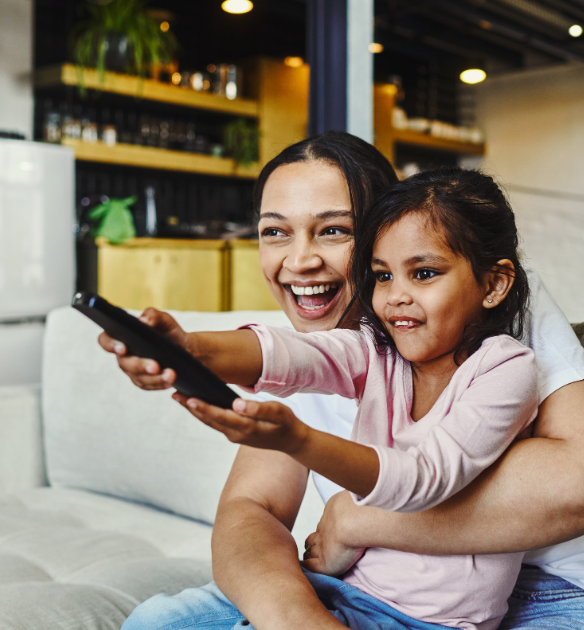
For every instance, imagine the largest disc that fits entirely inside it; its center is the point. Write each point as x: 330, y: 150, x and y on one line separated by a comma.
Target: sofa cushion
x: 105, y: 435
x: 71, y: 559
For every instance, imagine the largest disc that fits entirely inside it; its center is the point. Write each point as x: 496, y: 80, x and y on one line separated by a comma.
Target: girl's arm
x: 272, y: 425
x: 235, y: 355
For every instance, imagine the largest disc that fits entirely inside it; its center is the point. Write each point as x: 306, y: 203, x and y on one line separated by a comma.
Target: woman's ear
x: 498, y: 283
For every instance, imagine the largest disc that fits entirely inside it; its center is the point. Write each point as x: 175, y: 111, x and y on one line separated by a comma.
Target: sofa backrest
x: 105, y: 435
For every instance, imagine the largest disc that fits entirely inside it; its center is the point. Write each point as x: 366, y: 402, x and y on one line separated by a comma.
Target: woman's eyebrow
x: 333, y: 214
x: 272, y: 215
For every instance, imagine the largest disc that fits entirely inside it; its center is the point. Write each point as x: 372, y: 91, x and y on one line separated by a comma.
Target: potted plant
x: 121, y: 36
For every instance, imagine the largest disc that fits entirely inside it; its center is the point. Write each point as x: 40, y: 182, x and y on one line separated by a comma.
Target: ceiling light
x: 237, y: 6
x: 473, y: 75
x: 575, y: 30
x: 375, y: 48
x: 294, y: 62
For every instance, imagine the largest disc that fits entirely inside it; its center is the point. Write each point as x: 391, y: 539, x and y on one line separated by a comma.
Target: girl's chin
x: 316, y: 312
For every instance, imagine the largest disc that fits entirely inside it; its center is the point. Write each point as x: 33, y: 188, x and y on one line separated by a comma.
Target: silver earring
x: 489, y: 300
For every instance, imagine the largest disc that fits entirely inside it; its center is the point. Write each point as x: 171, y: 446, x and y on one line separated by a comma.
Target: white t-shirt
x: 560, y: 360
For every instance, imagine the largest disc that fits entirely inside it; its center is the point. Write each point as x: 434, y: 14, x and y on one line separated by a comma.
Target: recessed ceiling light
x: 473, y: 75
x: 575, y: 30
x: 375, y: 48
x: 294, y: 62
x: 237, y: 6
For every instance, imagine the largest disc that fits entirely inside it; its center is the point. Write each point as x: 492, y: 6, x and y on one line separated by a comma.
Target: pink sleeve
x: 500, y: 402
x: 331, y: 362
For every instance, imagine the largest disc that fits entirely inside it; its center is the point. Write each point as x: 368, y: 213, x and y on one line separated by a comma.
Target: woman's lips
x: 317, y: 304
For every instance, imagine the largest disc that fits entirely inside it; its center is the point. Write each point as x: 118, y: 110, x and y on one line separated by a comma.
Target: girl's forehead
x: 410, y: 236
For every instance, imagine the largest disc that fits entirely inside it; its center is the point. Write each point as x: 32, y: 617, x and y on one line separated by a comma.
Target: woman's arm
x: 530, y: 498
x: 255, y: 559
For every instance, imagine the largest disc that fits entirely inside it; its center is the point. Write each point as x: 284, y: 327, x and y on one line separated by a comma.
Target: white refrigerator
x: 37, y: 255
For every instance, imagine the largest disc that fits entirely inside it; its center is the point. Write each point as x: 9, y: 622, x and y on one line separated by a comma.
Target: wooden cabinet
x: 184, y: 275
x: 247, y: 288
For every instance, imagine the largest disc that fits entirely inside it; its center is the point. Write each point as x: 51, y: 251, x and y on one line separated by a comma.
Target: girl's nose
x: 303, y: 256
x: 398, y: 294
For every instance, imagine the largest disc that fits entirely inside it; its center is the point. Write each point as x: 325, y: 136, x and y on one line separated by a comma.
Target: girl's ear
x: 498, y: 283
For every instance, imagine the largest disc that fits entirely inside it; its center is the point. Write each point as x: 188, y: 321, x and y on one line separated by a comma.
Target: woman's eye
x: 383, y: 276
x: 425, y: 274
x: 271, y: 232
x: 335, y: 231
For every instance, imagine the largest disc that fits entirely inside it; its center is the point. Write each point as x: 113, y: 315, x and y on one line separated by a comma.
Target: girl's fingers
x: 224, y: 420
x: 267, y: 411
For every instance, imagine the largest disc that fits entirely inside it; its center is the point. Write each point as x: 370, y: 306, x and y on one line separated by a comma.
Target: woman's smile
x: 306, y: 238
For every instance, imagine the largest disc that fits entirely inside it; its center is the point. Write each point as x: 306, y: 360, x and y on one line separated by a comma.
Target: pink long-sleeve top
x: 490, y: 399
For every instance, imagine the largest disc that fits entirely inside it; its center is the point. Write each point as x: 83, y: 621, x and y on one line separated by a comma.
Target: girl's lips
x: 404, y: 323
x: 314, y: 306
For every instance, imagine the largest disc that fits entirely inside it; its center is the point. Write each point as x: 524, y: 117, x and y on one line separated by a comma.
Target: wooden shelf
x: 151, y: 157
x: 67, y: 74
x: 407, y: 136
x: 386, y: 135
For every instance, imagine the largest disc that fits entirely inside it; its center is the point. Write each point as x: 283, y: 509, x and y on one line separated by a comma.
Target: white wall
x: 534, y: 124
x: 16, y: 99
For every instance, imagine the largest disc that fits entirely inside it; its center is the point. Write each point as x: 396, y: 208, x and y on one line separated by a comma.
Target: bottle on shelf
x: 109, y: 132
x: 151, y: 218
x: 89, y: 127
x: 51, y: 124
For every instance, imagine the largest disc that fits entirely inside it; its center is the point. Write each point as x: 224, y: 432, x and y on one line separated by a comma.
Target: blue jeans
x: 541, y: 600
x: 208, y: 608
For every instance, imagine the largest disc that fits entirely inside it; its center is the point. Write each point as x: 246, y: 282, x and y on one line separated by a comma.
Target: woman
x: 531, y: 498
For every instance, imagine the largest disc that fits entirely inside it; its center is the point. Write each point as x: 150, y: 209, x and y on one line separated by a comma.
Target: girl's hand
x: 327, y: 550
x: 146, y: 373
x: 269, y: 425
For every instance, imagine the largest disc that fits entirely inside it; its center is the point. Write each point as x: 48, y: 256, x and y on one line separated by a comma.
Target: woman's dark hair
x: 367, y: 171
x: 477, y: 223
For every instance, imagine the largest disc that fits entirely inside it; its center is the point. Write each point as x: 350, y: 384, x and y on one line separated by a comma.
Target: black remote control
x: 192, y: 377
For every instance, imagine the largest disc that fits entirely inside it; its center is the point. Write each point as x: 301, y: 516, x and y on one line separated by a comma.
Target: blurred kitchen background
x: 133, y: 176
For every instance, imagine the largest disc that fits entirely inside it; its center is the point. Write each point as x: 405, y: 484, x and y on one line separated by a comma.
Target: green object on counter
x: 116, y: 223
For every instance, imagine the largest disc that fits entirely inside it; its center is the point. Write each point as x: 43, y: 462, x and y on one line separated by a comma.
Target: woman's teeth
x: 315, y: 290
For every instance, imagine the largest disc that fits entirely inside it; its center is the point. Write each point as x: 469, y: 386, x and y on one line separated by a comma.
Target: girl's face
x: 425, y: 294
x: 306, y: 238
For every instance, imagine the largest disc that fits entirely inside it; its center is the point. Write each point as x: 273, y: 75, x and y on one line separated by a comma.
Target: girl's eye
x: 271, y: 232
x: 425, y: 274
x: 383, y: 276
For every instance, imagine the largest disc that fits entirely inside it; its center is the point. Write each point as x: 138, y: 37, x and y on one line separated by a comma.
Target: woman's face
x: 306, y: 238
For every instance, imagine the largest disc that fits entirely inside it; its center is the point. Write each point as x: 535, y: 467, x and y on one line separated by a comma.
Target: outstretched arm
x: 530, y: 498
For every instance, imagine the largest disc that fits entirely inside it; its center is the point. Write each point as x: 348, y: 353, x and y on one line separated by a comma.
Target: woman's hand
x: 327, y: 550
x: 268, y: 425
x: 146, y: 373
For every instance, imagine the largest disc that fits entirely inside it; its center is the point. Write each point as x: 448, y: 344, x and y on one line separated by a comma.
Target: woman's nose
x: 303, y: 256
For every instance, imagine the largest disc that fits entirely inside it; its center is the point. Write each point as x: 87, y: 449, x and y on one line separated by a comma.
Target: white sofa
x: 107, y: 493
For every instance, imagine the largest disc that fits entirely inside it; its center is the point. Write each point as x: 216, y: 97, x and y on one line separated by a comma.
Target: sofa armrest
x: 21, y: 450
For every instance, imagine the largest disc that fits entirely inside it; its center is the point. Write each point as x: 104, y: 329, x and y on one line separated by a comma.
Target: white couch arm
x: 21, y: 449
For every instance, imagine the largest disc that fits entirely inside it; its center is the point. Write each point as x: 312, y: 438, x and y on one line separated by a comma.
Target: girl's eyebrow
x: 425, y: 258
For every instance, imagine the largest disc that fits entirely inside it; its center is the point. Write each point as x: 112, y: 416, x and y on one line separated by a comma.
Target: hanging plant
x: 120, y: 36
x: 242, y: 141
x: 114, y: 220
